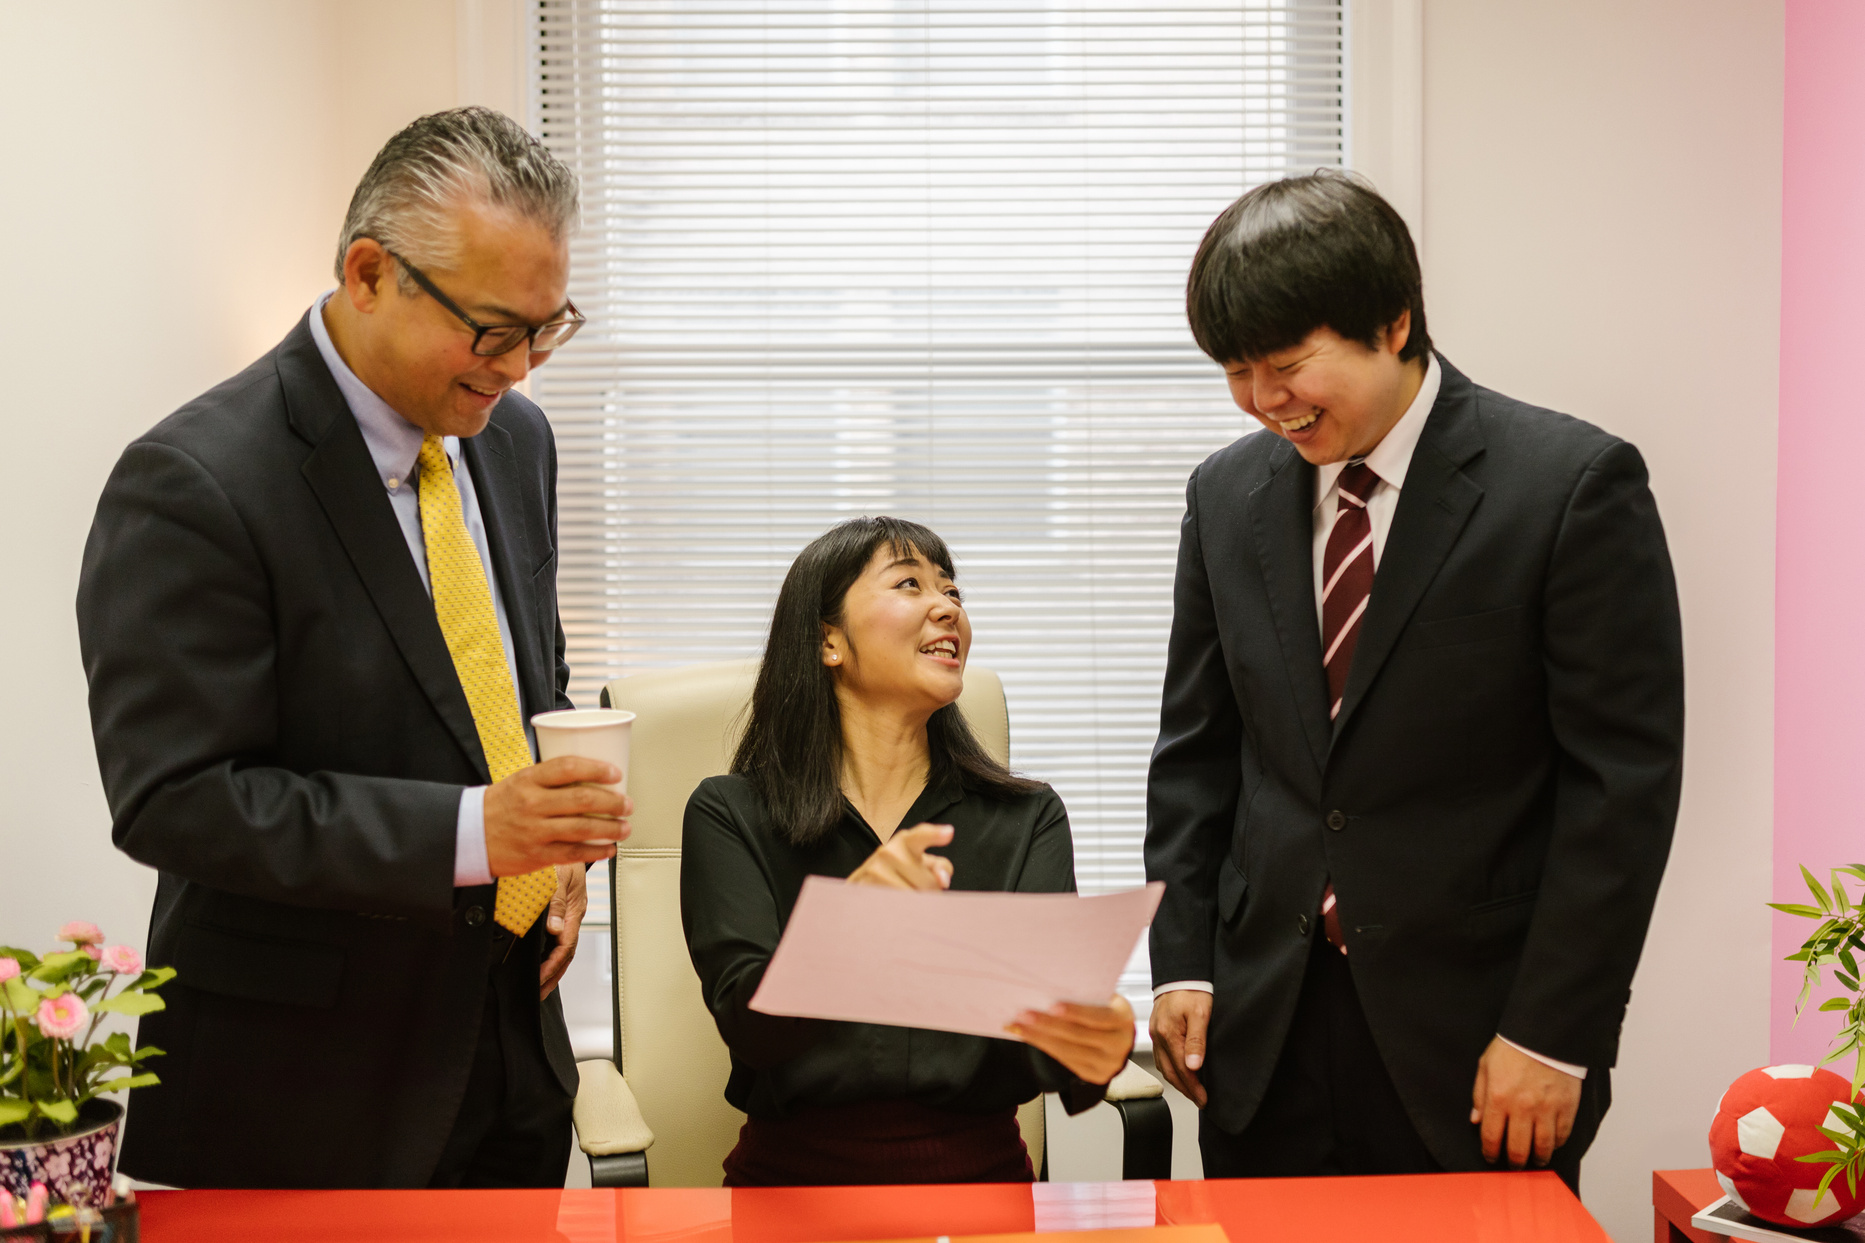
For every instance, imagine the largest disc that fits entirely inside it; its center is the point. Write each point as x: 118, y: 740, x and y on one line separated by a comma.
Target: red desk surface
x: 1676, y: 1195
x: 1441, y: 1208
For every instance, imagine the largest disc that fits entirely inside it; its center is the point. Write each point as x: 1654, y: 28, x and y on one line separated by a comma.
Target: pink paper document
x: 956, y: 962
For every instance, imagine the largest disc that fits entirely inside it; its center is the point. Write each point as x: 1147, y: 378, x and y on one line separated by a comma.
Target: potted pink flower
x: 56, y: 1128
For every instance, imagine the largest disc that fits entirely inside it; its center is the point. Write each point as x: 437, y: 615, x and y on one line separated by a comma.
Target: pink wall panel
x: 1819, y: 758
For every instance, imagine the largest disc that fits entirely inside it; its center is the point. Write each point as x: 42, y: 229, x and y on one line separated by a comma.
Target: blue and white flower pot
x: 75, y: 1167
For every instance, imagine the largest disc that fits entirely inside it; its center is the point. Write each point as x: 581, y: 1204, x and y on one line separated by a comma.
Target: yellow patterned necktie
x: 463, y: 603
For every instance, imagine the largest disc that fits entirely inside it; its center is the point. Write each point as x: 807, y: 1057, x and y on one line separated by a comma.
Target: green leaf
x: 130, y: 1003
x: 118, y: 1043
x: 1855, y: 869
x: 128, y: 1081
x: 1816, y: 1158
x: 26, y: 958
x: 1797, y: 908
x: 1825, y: 900
x: 57, y: 968
x: 155, y: 977
x: 150, y: 1050
x: 21, y: 997
x: 1850, y: 983
x: 1839, y: 896
x: 14, y: 1110
x: 62, y: 1112
x: 1835, y: 1003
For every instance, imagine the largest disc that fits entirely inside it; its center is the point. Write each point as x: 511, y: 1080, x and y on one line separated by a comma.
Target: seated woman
x: 855, y: 763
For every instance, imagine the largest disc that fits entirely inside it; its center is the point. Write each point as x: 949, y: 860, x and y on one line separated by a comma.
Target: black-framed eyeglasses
x: 491, y: 340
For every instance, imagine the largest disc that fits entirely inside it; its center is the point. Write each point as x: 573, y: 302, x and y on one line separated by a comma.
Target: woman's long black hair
x: 792, y: 749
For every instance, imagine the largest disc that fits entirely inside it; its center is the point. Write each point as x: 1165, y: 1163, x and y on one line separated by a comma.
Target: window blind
x: 847, y: 257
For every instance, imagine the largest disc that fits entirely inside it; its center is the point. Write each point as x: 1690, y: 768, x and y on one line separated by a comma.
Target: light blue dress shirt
x: 395, y: 445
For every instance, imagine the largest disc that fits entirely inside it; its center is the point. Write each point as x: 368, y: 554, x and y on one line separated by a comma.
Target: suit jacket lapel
x: 343, y: 475
x: 502, y: 504
x: 1434, y: 505
x: 1282, y: 516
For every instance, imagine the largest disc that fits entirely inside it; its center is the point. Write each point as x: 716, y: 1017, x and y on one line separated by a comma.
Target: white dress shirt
x: 395, y: 445
x: 1390, y: 459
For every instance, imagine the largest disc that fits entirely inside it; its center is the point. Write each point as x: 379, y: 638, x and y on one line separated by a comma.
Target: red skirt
x: 879, y: 1142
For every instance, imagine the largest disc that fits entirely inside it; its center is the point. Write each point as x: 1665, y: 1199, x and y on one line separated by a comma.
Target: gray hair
x: 440, y: 160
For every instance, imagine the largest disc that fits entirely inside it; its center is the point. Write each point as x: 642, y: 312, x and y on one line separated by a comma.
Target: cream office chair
x: 666, y: 1086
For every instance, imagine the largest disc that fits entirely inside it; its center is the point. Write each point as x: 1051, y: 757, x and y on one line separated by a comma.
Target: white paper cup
x: 591, y: 733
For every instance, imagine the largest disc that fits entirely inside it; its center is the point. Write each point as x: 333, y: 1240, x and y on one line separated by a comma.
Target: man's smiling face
x: 1332, y: 398
x: 417, y: 356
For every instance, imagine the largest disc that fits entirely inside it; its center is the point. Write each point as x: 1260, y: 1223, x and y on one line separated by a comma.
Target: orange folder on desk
x: 1208, y: 1233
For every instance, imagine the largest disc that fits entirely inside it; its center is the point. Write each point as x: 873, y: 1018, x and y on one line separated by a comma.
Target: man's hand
x: 548, y: 815
x: 1093, y: 1042
x: 1180, y: 1018
x: 903, y: 862
x: 1529, y: 1105
x: 564, y: 921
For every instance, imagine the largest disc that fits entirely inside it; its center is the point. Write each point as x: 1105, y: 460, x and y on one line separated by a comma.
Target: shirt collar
x: 1392, y: 456
x: 940, y: 794
x: 394, y: 443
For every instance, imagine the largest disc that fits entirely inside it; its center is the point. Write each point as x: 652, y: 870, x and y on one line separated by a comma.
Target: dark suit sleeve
x: 1191, y: 789
x: 179, y: 643
x: 733, y: 924
x: 1050, y: 868
x: 1614, y: 655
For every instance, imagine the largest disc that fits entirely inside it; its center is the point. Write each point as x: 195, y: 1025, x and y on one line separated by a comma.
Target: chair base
x: 1146, y: 1148
x: 623, y: 1169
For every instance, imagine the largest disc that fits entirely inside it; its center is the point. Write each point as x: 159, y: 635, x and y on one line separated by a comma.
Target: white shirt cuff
x: 1190, y: 986
x: 470, y: 866
x: 1578, y: 1072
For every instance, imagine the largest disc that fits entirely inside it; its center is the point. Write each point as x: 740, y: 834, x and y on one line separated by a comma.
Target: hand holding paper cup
x: 551, y: 813
x: 589, y: 733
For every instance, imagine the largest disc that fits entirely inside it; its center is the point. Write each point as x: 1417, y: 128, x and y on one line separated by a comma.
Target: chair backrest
x: 687, y: 723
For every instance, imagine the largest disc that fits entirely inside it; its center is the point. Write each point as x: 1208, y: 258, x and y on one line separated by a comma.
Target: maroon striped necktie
x: 1346, y: 587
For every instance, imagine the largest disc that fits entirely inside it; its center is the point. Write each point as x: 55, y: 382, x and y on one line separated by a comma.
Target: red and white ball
x: 1767, y: 1119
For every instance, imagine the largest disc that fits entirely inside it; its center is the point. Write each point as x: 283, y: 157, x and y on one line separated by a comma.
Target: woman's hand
x: 1092, y: 1041
x: 903, y: 862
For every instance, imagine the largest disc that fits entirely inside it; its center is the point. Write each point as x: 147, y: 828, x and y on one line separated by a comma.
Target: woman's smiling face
x: 903, y: 635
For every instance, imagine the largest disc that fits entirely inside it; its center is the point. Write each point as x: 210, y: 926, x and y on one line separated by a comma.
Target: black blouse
x: 738, y: 885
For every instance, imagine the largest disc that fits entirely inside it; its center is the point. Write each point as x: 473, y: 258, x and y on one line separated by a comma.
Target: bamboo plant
x: 1836, y: 944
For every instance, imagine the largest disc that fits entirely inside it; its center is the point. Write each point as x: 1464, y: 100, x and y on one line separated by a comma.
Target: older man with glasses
x: 317, y: 608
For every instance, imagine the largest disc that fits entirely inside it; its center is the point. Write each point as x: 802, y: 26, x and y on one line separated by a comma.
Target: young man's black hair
x: 1291, y: 256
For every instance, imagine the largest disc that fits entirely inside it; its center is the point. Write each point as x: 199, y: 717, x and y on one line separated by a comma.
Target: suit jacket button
x: 1301, y: 924
x: 475, y: 916
x: 1337, y: 820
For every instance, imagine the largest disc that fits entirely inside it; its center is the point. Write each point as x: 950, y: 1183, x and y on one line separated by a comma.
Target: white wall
x: 175, y: 179
x: 1602, y: 235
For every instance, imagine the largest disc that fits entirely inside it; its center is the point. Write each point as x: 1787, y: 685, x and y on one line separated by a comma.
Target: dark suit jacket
x: 1495, y: 802
x: 283, y: 736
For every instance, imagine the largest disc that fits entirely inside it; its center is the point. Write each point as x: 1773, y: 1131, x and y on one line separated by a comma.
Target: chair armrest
x: 1146, y: 1123
x: 1133, y: 1083
x: 608, y: 1121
